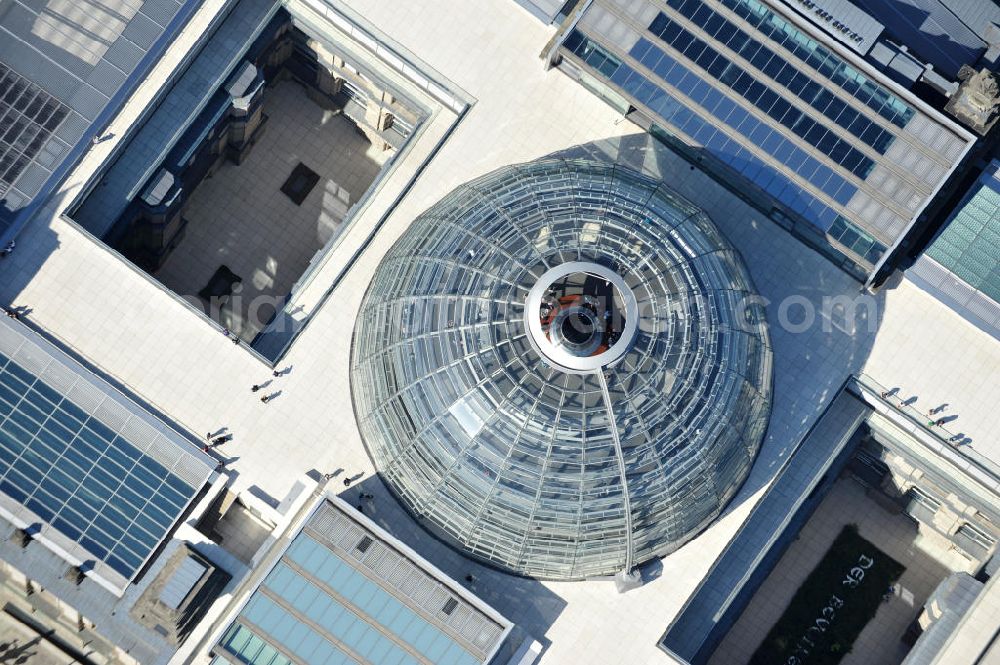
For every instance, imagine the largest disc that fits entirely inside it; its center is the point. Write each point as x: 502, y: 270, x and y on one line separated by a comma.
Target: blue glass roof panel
x: 966, y: 245
x: 86, y: 480
x: 320, y: 605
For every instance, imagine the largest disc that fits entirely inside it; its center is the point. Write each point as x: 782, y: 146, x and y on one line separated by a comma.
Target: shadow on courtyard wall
x: 245, y: 238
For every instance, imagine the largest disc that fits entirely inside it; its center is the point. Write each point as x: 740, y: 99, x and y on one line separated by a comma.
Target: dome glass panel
x: 562, y: 369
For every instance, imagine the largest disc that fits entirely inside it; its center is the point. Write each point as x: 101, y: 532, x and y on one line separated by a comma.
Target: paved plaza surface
x: 115, y: 317
x: 240, y: 218
x: 21, y: 644
x: 928, y: 557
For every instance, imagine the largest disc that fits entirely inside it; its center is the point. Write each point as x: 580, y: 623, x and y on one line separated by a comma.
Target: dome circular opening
x: 581, y: 316
x: 578, y: 328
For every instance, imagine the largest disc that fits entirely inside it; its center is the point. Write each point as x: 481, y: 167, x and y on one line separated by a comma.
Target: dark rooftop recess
x: 300, y: 183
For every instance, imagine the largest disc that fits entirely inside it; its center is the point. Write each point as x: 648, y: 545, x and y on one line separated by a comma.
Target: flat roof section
x: 64, y: 71
x: 85, y: 470
x: 344, y: 591
x: 961, y: 266
x: 766, y: 96
x: 945, y: 33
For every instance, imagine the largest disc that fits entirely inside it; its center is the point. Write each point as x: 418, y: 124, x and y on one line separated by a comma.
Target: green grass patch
x: 827, y: 613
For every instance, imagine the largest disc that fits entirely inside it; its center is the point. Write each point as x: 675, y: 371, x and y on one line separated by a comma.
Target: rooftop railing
x: 958, y: 442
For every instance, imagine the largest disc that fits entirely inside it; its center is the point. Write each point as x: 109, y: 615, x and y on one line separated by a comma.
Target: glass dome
x: 561, y: 369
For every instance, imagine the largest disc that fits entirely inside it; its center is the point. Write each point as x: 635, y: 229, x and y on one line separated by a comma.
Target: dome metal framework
x: 561, y: 369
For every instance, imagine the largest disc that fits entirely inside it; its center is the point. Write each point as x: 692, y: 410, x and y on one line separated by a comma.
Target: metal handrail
x: 957, y: 442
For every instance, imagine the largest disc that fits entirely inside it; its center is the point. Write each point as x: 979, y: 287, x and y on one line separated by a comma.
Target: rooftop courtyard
x: 927, y: 558
x: 241, y: 218
x: 231, y: 191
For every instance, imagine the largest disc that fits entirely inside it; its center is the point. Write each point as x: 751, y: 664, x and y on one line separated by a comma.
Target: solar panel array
x: 85, y: 463
x: 28, y: 117
x: 741, y: 82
